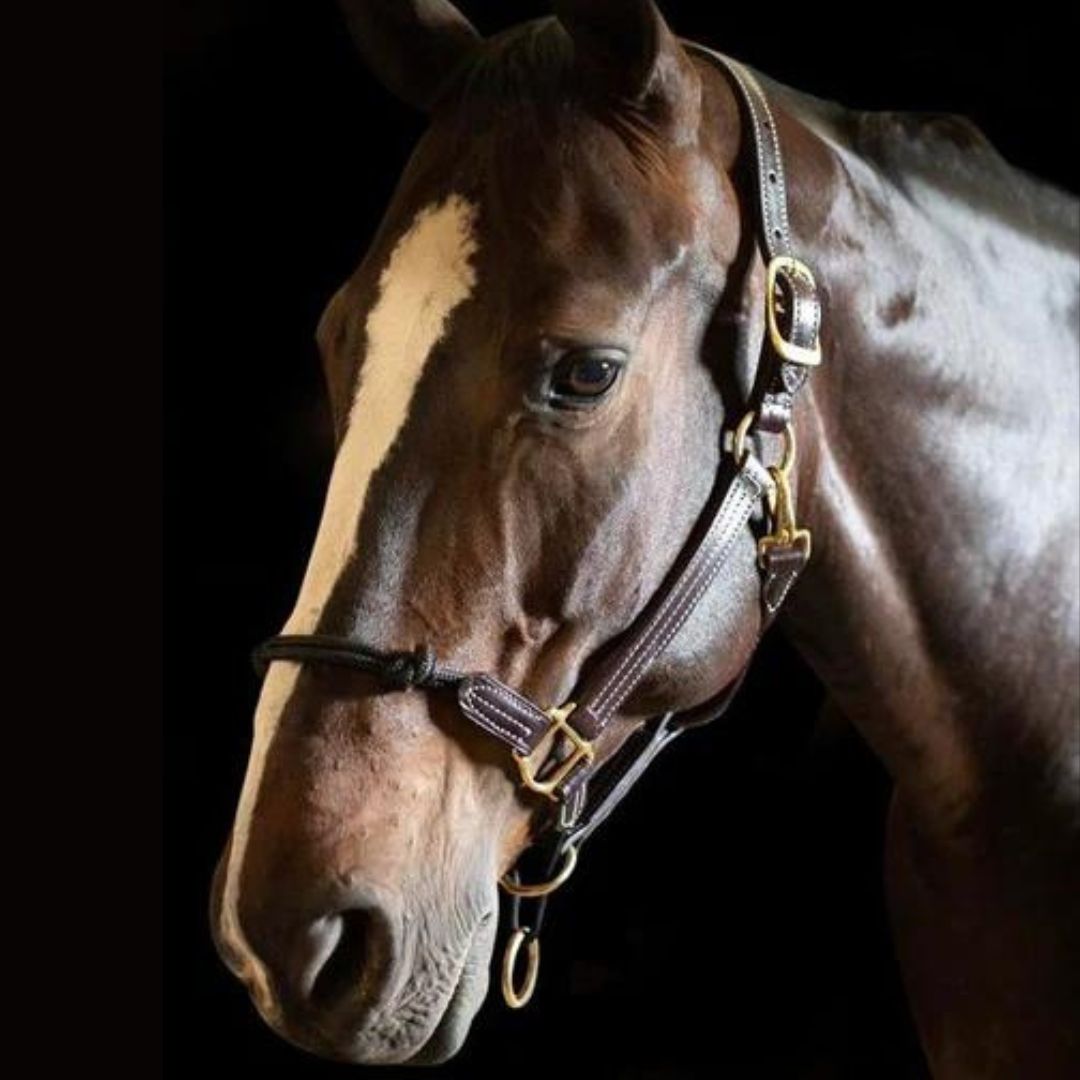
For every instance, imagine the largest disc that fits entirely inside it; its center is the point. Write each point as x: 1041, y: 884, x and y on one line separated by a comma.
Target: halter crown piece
x: 554, y: 749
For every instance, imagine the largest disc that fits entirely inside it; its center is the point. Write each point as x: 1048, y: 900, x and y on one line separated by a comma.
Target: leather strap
x: 667, y: 612
x: 594, y: 802
x: 517, y: 720
x: 502, y: 712
x: 798, y: 310
x: 775, y: 231
x: 782, y: 565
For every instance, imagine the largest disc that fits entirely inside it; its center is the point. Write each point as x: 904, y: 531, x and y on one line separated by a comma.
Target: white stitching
x: 668, y: 620
x: 752, y: 90
x: 517, y: 701
x: 774, y: 209
x: 704, y: 559
x: 697, y: 565
x: 633, y: 662
x: 691, y: 602
x: 518, y: 732
x: 792, y: 577
x: 693, y: 569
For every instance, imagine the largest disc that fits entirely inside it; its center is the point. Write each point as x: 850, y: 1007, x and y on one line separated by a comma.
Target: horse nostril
x: 351, y: 960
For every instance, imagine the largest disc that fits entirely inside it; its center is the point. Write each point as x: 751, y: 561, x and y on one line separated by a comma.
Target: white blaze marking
x: 427, y: 276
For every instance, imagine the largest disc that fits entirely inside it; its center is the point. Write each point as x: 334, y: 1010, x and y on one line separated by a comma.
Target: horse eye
x: 584, y: 376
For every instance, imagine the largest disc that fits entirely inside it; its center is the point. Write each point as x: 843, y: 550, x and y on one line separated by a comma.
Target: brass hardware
x: 795, y: 354
x: 738, y: 440
x: 544, y: 887
x: 514, y: 997
x: 528, y: 764
x: 787, y: 460
x: 786, y: 532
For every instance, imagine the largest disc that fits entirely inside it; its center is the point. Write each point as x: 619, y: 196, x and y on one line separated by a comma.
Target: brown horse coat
x: 579, y: 188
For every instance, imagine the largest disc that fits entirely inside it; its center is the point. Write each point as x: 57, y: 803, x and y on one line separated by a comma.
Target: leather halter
x: 555, y: 749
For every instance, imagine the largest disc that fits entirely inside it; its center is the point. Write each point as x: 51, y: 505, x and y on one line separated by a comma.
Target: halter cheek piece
x: 555, y: 749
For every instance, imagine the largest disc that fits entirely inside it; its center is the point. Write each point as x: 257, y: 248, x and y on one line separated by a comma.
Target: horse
x: 527, y: 373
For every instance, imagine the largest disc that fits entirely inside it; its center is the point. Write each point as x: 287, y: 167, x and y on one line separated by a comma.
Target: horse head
x: 528, y: 374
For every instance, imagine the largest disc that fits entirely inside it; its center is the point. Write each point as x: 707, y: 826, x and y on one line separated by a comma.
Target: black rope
x: 396, y: 670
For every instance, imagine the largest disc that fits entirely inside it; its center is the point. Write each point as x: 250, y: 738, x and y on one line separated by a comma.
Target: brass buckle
x: 529, y: 764
x: 786, y: 533
x: 795, y: 354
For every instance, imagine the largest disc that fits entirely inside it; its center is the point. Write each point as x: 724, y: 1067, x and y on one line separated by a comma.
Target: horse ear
x: 411, y: 46
x: 626, y: 49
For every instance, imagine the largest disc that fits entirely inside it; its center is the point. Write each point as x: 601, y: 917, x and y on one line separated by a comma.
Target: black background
x: 730, y: 920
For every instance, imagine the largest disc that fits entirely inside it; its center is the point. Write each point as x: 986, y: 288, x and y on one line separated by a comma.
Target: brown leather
x: 618, y: 777
x: 778, y: 380
x: 775, y: 232
x: 513, y: 718
x: 502, y: 712
x: 600, y: 697
x: 782, y: 565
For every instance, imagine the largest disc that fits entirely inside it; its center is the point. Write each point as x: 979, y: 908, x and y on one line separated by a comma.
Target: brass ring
x: 789, y: 449
x: 514, y: 888
x: 515, y: 998
x: 738, y: 441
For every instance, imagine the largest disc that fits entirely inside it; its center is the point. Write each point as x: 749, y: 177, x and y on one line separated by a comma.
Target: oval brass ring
x: 789, y: 450
x: 514, y: 997
x: 738, y: 441
x: 515, y: 888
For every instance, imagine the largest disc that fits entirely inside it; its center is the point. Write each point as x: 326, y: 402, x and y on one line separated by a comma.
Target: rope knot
x: 406, y: 670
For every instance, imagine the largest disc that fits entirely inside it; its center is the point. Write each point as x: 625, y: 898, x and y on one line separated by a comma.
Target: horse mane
x: 945, y: 152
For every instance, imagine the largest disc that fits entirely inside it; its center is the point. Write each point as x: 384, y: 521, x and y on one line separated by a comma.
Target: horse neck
x: 938, y: 471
